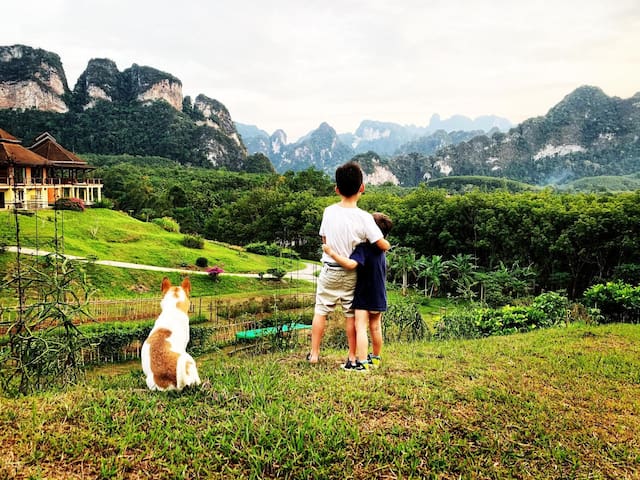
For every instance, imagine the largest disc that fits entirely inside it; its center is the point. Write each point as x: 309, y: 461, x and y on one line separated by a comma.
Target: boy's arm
x: 383, y: 244
x: 344, y: 262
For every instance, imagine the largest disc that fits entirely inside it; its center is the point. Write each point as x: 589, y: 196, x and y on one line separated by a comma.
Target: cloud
x: 292, y: 65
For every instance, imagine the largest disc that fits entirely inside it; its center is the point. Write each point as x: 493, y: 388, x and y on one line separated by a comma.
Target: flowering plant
x: 213, y: 272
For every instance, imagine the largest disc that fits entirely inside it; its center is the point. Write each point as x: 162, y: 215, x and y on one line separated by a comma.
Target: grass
x: 557, y: 403
x: 110, y: 235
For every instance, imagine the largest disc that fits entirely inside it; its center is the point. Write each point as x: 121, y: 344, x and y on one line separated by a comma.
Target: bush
x: 214, y: 272
x: 547, y: 310
x: 403, y: 321
x: 458, y: 324
x: 616, y: 301
x: 167, y: 223
x: 263, y: 248
x: 104, y: 203
x: 553, y: 305
x: 193, y: 241
x: 202, y: 262
x: 277, y: 273
x: 73, y: 204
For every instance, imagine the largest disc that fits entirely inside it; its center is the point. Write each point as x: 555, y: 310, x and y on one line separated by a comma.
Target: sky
x: 293, y: 64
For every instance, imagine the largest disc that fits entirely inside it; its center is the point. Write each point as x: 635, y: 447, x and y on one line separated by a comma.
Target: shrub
x: 277, y: 273
x: 104, y: 203
x: 553, y: 305
x: 167, y: 223
x: 547, y: 310
x: 193, y: 241
x: 403, y: 321
x: 458, y: 324
x: 202, y: 262
x: 616, y: 301
x: 214, y: 272
x: 263, y: 248
x: 74, y: 204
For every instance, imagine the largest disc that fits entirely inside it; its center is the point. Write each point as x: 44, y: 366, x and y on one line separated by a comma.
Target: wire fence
x: 215, y: 322
x: 210, y: 310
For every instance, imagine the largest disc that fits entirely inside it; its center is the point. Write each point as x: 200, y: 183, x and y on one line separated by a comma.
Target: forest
x: 545, y: 240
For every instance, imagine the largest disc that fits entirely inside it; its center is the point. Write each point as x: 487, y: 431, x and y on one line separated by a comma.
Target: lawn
x: 110, y: 235
x: 559, y: 403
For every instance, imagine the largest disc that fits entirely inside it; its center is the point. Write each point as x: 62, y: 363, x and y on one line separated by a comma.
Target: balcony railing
x: 52, y: 181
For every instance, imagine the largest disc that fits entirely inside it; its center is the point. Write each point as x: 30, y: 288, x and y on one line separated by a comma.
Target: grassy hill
x: 551, y: 404
x: 109, y: 235
x: 605, y: 183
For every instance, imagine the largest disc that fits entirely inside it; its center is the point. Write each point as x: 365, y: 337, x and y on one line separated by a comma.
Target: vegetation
x: 535, y: 405
x: 101, y: 234
x: 462, y: 184
x: 155, y: 129
x: 44, y: 342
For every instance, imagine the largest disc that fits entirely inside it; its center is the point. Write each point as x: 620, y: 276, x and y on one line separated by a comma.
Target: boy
x: 343, y: 226
x: 370, y: 298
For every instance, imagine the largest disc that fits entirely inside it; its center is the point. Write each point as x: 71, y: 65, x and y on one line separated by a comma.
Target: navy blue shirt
x: 370, y: 293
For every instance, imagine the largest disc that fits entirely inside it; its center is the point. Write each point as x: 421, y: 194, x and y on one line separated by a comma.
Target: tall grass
x: 555, y: 403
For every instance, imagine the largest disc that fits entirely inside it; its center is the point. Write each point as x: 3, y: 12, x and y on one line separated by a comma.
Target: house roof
x: 7, y: 137
x: 47, y: 146
x: 16, y: 154
x: 11, y: 152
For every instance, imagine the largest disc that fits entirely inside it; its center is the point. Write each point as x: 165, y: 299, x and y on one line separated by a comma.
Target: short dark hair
x: 349, y: 179
x: 384, y: 222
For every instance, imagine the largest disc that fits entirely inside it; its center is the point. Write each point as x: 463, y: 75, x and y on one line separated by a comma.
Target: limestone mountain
x: 139, y: 111
x: 321, y: 149
x: 587, y: 134
x: 324, y: 150
x: 382, y: 137
x: 101, y: 80
x: 32, y: 78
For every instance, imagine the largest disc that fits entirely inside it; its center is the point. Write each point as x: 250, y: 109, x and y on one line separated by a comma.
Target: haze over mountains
x: 141, y: 111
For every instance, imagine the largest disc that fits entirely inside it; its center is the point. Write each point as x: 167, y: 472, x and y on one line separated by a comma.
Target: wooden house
x: 36, y: 177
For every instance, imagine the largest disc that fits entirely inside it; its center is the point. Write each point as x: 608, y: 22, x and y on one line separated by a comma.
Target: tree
x: 432, y: 269
x: 403, y: 260
x: 258, y: 163
x: 462, y: 269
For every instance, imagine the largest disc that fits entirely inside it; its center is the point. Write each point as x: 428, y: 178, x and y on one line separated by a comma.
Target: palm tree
x: 462, y: 273
x: 432, y: 269
x: 403, y: 260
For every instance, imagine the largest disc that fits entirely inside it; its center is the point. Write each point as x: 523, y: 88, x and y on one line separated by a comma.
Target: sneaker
x: 374, y: 360
x: 349, y: 365
x: 361, y: 366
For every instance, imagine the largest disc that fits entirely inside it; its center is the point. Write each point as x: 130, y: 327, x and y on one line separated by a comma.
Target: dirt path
x: 308, y: 273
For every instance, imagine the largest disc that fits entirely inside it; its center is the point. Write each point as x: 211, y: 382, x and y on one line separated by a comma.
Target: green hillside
x: 102, y: 234
x: 604, y: 183
x: 110, y: 235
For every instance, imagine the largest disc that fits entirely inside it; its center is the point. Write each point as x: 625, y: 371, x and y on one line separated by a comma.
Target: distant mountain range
x: 141, y: 111
x: 587, y: 134
x: 324, y: 149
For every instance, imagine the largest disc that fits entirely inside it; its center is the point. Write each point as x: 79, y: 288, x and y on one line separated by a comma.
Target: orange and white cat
x: 165, y: 360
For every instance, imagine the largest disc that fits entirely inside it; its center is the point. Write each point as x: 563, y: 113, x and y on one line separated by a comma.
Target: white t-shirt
x: 344, y: 228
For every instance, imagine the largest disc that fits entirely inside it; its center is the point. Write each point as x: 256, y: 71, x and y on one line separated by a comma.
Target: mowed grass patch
x: 108, y: 282
x: 558, y: 403
x: 110, y: 235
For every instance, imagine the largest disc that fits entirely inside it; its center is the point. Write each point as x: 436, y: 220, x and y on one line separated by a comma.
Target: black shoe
x: 361, y: 366
x: 349, y: 365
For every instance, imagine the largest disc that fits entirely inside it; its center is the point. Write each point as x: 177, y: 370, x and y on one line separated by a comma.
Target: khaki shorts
x: 335, y: 285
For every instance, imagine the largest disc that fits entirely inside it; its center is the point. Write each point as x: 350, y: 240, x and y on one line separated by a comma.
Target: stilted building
x: 36, y: 177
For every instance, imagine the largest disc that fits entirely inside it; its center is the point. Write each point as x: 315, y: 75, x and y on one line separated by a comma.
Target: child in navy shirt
x: 369, y: 299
